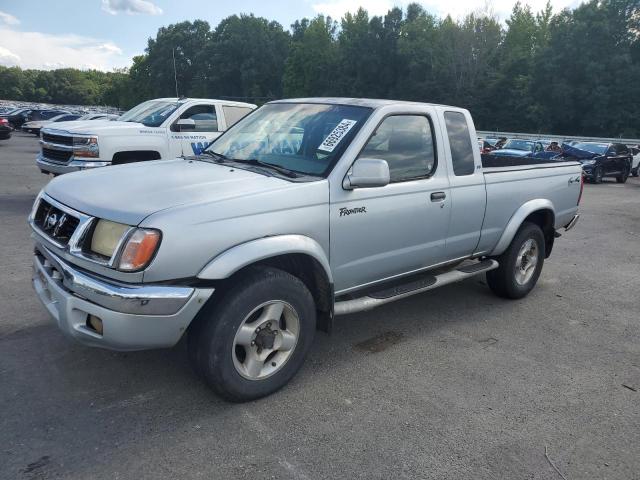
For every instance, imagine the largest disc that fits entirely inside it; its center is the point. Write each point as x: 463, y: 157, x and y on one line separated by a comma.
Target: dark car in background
x: 600, y: 160
x: 16, y: 117
x: 5, y: 129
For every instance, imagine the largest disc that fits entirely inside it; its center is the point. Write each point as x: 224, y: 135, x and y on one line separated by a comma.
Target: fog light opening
x: 94, y: 323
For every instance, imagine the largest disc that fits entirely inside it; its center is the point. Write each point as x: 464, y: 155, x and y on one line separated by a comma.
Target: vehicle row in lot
x: 156, y: 129
x: 599, y: 160
x: 303, y: 210
x: 35, y: 126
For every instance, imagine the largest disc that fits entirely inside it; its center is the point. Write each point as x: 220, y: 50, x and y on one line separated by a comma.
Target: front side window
x: 306, y: 138
x: 406, y: 143
x: 204, y: 117
x: 460, y: 143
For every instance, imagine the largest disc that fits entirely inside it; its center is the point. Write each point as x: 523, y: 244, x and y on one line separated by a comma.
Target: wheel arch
x: 540, y: 212
x: 298, y: 255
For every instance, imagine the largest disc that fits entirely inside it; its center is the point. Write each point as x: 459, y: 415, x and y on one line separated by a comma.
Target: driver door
x: 193, y: 141
x: 383, y: 232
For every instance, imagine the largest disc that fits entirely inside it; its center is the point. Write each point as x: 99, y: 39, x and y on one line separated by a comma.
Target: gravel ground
x: 454, y: 384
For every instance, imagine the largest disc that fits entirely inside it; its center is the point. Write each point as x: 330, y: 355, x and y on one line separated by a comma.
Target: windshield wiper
x: 219, y: 157
x: 259, y: 163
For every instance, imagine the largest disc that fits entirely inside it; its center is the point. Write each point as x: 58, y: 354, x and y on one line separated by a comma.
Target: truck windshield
x: 151, y: 113
x: 303, y: 137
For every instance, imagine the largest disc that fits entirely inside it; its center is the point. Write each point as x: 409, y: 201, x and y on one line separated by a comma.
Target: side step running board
x: 392, y: 294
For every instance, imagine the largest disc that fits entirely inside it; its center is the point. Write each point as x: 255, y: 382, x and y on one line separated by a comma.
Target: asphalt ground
x: 451, y: 384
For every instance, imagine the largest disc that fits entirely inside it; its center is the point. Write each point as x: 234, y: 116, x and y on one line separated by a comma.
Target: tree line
x: 570, y: 72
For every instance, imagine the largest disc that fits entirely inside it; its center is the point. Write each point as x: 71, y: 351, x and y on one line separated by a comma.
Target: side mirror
x: 186, y: 124
x: 367, y: 173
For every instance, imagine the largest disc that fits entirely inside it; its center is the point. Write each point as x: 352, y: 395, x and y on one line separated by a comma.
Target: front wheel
x: 253, y: 340
x: 520, y: 264
x: 598, y: 173
x: 636, y: 171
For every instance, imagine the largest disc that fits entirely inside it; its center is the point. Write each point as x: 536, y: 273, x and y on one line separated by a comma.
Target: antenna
x: 175, y: 74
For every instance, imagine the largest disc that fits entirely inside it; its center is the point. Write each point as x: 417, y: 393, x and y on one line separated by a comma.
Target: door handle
x: 438, y: 196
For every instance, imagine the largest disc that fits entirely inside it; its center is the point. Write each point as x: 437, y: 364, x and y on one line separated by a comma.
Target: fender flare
x: 517, y: 219
x: 244, y: 254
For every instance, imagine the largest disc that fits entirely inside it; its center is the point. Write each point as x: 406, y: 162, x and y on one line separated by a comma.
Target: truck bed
x: 491, y: 161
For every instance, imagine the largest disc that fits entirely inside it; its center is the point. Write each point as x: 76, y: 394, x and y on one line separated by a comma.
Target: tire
x: 507, y: 280
x: 636, y: 171
x: 240, y: 361
x: 597, y: 175
x: 623, y: 178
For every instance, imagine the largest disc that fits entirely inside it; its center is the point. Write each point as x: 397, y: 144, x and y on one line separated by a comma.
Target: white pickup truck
x: 156, y: 129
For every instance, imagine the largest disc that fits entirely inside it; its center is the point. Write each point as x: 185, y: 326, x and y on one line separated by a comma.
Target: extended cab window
x: 460, y: 143
x: 233, y: 114
x: 204, y: 117
x: 406, y: 143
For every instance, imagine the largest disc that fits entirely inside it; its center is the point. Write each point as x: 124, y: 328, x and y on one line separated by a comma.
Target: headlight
x: 139, y: 249
x: 106, y: 237
x: 86, y: 147
x: 588, y: 162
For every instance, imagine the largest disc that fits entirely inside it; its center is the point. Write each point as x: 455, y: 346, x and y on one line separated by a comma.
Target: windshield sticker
x: 333, y: 139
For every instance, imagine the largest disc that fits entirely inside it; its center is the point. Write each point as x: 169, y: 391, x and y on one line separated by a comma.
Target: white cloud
x: 457, y: 9
x: 8, y: 19
x: 8, y: 58
x: 131, y: 7
x: 47, y: 51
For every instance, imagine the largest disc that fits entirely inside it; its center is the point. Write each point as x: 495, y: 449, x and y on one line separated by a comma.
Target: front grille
x: 59, y: 156
x: 55, y: 223
x: 59, y: 139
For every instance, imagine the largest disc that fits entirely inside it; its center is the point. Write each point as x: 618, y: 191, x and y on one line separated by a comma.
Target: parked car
x: 35, y: 126
x: 635, y: 162
x: 600, y: 160
x: 16, y: 117
x: 303, y: 210
x: 5, y: 129
x: 519, y: 148
x: 162, y: 128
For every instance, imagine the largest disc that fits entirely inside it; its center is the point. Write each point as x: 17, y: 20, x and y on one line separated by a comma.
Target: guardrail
x: 558, y: 138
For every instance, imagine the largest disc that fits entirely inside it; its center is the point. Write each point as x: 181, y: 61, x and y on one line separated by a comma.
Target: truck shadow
x: 66, y: 397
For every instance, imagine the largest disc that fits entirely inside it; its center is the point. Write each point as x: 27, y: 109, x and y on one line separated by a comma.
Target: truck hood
x: 130, y: 193
x: 97, y: 127
x: 578, y: 153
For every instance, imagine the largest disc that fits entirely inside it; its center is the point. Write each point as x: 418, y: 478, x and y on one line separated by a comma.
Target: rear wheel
x: 520, y: 264
x: 253, y: 340
x: 623, y: 178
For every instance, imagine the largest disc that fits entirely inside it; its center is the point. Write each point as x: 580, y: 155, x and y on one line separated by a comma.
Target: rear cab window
x: 233, y: 114
x: 459, y: 143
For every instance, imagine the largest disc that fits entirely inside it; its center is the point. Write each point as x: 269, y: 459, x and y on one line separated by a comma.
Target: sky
x: 106, y: 34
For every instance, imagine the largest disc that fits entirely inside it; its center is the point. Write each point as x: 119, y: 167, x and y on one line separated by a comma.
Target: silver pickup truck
x: 304, y: 210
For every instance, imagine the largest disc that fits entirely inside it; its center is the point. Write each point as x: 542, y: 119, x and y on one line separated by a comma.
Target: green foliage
x: 572, y: 72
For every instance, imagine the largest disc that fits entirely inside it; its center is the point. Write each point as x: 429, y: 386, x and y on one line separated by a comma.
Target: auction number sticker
x: 333, y: 139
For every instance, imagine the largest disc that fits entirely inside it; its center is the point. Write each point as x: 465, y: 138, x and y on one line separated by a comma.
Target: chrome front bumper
x: 134, y: 317
x: 49, y: 166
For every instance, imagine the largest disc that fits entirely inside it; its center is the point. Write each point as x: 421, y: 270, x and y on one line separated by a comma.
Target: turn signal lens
x: 139, y: 250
